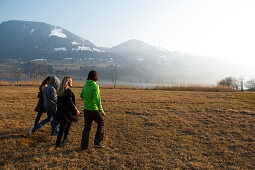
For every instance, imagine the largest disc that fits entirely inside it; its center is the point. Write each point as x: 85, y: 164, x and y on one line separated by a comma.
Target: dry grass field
x: 143, y: 129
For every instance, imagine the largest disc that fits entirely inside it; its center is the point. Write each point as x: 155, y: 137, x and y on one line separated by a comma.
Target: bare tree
x: 44, y: 69
x: 114, y: 74
x: 229, y: 82
x: 17, y: 75
x: 250, y: 85
x: 35, y: 71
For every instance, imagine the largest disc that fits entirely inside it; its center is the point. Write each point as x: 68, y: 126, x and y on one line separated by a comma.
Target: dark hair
x: 45, y: 82
x: 92, y: 75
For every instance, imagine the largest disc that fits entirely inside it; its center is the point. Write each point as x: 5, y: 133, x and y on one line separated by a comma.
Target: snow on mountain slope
x: 58, y: 32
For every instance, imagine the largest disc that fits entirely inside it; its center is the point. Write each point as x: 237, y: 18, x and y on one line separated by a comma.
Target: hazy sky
x: 222, y: 29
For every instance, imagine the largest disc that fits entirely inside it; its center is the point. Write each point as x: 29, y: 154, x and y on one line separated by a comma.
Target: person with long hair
x: 67, y: 112
x: 50, y: 105
x: 40, y: 107
x: 93, y: 111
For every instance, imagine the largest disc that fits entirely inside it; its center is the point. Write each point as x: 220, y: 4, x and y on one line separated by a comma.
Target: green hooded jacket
x: 91, y: 96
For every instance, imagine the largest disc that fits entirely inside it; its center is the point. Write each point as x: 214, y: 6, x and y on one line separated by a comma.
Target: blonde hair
x: 63, y: 86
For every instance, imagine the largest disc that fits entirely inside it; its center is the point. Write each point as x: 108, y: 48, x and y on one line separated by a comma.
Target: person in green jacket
x: 93, y: 111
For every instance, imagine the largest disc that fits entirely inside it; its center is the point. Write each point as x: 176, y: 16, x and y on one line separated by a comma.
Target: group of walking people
x: 58, y: 101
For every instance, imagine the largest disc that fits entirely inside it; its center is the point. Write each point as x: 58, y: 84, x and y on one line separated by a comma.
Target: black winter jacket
x: 40, y: 107
x: 66, y: 110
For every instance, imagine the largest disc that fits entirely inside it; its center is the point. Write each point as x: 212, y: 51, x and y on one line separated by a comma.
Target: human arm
x: 53, y: 95
x: 96, y: 95
x: 43, y: 87
x: 70, y: 103
x: 70, y: 100
x: 82, y: 93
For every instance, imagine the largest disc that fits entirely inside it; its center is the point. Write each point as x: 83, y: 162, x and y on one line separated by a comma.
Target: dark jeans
x: 51, y: 115
x: 63, y: 131
x: 89, y: 117
x: 39, y: 115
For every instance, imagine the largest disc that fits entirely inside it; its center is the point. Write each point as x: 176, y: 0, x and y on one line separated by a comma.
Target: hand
x: 78, y: 112
x: 103, y: 113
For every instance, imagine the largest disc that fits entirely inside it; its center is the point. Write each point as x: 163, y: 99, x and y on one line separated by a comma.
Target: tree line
x: 238, y: 84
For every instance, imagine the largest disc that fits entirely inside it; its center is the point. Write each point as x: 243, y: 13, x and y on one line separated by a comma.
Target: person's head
x: 65, y: 84
x: 92, y: 75
x: 46, y: 81
x: 54, y: 82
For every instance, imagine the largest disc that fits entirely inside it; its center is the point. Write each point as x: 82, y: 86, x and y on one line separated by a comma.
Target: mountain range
x: 136, y: 60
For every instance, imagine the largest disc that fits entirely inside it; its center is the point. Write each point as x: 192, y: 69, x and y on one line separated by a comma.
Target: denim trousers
x: 51, y: 116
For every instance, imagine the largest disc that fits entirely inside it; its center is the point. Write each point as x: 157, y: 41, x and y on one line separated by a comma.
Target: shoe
x: 58, y: 146
x: 67, y: 141
x: 99, y: 146
x: 31, y: 130
x: 56, y: 122
x: 55, y: 133
x: 87, y: 150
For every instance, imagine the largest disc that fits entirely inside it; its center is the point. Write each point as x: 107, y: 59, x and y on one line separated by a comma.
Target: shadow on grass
x: 134, y: 113
x: 11, y: 135
x: 251, y: 114
x: 28, y: 157
x: 247, y: 113
x: 22, y: 137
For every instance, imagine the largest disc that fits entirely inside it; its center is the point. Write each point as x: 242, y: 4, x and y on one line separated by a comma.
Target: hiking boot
x: 99, y: 146
x: 31, y: 130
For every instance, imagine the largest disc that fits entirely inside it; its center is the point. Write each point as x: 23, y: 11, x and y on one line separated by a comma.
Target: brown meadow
x: 143, y: 129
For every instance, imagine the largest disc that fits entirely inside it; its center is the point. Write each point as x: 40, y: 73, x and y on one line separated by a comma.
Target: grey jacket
x: 50, y: 93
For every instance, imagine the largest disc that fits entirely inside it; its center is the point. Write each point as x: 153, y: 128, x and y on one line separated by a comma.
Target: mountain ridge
x: 27, y: 38
x: 136, y: 60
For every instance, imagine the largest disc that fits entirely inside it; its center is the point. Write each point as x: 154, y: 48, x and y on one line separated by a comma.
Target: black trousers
x: 37, y: 119
x: 89, y: 117
x: 63, y: 131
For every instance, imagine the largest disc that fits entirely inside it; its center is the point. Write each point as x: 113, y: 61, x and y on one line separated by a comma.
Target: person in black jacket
x: 66, y: 109
x: 40, y: 107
